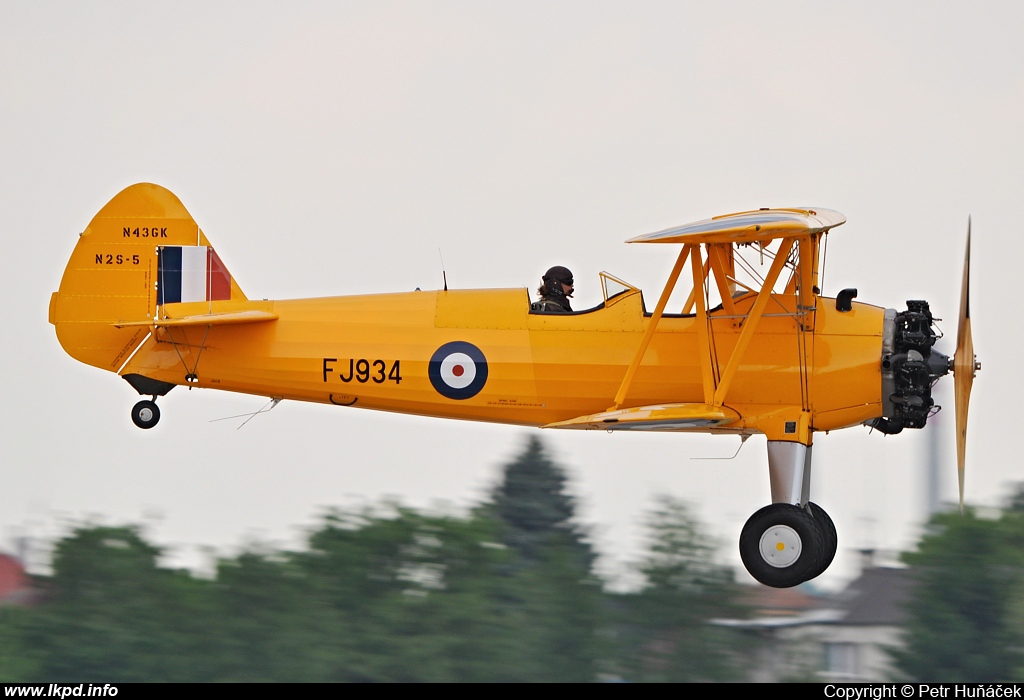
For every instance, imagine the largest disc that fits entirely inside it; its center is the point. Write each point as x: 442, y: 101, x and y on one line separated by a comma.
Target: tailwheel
x: 782, y: 545
x: 145, y: 414
x: 829, y: 535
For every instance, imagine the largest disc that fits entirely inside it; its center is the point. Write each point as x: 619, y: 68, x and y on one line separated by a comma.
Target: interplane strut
x: 719, y: 264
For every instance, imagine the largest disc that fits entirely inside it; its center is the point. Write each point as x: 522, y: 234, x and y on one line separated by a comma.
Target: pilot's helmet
x: 562, y: 274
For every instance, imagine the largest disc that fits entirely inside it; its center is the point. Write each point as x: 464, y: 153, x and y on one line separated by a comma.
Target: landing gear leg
x: 145, y: 414
x: 792, y: 540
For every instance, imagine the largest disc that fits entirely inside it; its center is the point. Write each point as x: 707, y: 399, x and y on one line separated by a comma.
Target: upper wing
x: 749, y: 227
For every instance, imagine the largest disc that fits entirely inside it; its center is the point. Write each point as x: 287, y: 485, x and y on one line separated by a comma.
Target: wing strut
x: 649, y: 333
x: 781, y: 256
x: 720, y: 259
x: 716, y: 389
x: 692, y: 299
x: 707, y: 372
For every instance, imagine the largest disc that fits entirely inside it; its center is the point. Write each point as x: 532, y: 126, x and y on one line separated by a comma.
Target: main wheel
x: 781, y: 545
x: 830, y: 538
x: 145, y: 414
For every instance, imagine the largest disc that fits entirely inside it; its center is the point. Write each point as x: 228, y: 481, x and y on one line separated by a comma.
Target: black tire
x: 830, y: 538
x: 781, y: 545
x: 145, y: 414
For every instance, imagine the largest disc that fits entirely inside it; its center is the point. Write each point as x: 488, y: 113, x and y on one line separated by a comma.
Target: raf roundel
x: 458, y: 370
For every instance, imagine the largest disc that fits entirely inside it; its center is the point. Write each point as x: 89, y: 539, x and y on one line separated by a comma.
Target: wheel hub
x: 146, y: 414
x: 780, y: 546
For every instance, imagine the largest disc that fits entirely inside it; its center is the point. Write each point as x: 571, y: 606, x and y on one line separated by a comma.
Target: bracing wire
x: 249, y: 416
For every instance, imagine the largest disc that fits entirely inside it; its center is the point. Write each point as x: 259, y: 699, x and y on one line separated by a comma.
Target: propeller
x: 965, y: 366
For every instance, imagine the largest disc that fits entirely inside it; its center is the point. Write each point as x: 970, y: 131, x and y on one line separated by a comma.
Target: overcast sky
x: 333, y: 148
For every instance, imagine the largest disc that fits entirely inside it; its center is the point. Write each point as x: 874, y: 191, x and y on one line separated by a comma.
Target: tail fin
x: 143, y: 249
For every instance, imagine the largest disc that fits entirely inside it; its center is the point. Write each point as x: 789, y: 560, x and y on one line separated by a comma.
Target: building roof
x: 878, y: 596
x: 779, y: 602
x: 14, y: 582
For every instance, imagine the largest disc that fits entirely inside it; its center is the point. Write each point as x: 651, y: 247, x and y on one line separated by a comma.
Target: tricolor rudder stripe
x: 191, y: 273
x: 458, y: 370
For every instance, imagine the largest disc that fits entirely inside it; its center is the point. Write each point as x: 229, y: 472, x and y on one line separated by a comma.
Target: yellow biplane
x: 145, y: 295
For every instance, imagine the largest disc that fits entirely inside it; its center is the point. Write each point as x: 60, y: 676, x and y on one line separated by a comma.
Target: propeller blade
x: 964, y: 368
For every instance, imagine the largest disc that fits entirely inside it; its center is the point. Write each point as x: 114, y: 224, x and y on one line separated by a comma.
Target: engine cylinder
x: 910, y: 366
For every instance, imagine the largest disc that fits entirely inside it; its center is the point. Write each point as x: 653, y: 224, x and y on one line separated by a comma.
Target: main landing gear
x: 145, y: 414
x: 792, y: 540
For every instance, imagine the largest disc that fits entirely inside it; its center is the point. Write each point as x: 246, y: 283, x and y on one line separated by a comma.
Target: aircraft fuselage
x: 375, y: 351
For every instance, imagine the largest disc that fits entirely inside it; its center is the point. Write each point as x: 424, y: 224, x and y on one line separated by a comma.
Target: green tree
x: 534, y: 508
x: 113, y: 614
x: 419, y: 598
x: 551, y: 592
x: 18, y: 662
x: 666, y: 632
x: 402, y: 597
x: 965, y: 611
x: 506, y: 593
x: 358, y: 566
x: 267, y: 625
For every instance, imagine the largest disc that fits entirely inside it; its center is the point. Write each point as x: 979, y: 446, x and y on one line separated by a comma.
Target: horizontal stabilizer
x: 665, y: 417
x: 221, y: 319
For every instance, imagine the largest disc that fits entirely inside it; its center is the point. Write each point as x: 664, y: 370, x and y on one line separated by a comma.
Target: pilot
x: 555, y: 290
